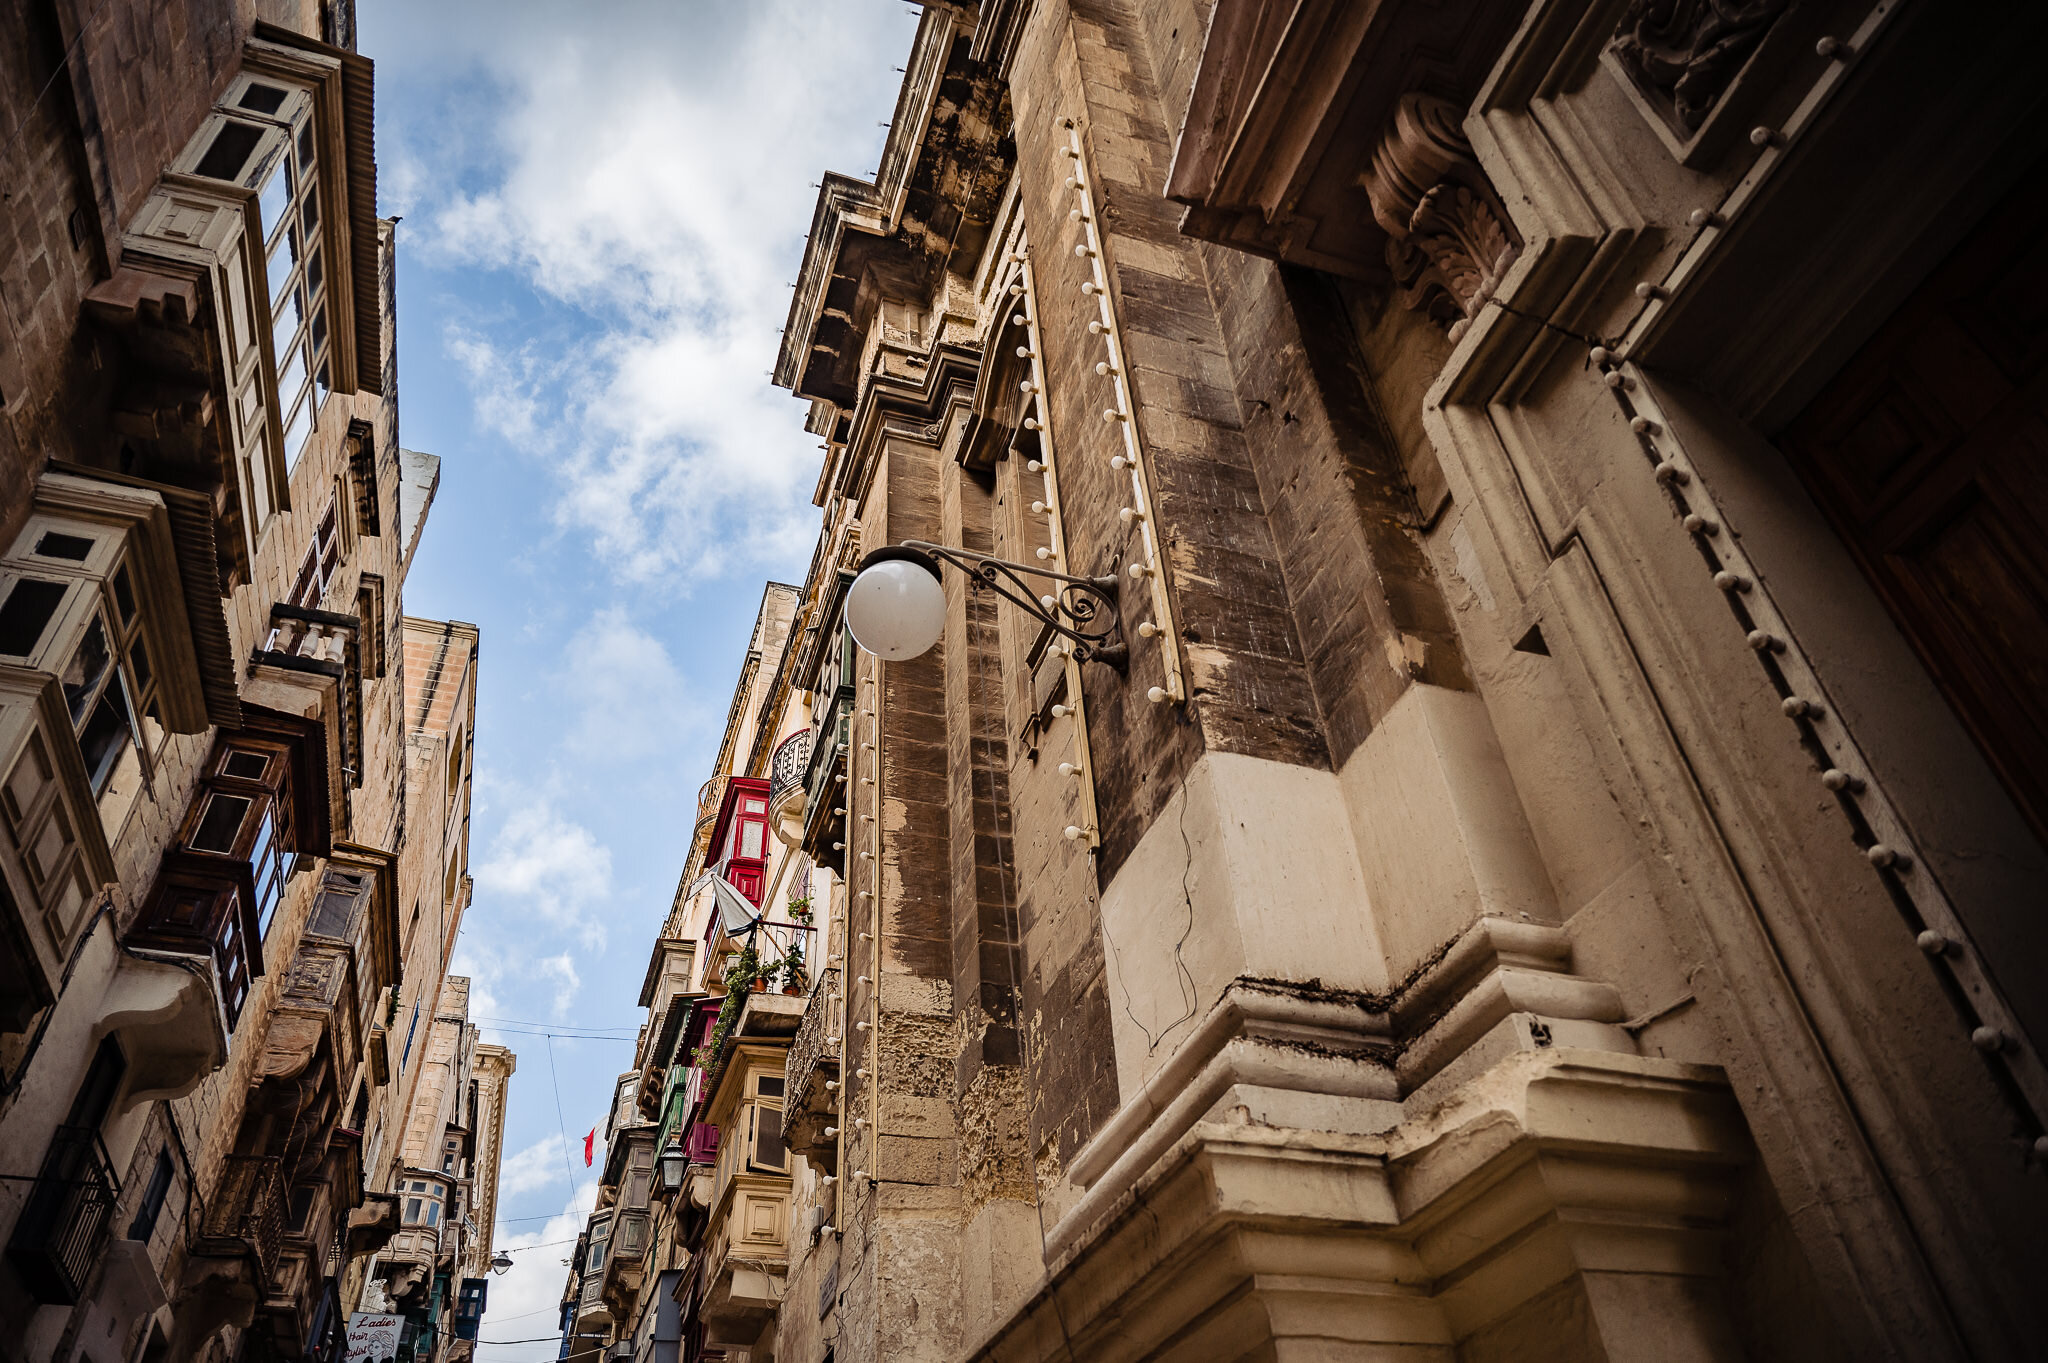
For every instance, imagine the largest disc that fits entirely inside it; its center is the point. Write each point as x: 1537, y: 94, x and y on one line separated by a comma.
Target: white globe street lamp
x: 896, y: 606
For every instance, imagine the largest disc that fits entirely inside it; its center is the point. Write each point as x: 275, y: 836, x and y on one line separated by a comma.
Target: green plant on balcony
x: 792, y: 969
x: 800, y: 909
x: 739, y: 979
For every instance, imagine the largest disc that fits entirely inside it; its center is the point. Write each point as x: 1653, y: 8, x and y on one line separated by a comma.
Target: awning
x: 735, y: 910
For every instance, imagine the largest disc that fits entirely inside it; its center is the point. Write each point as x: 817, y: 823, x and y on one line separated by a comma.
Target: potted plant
x: 793, y: 970
x: 800, y: 909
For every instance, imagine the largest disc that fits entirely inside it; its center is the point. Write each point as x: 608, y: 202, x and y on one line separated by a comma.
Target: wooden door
x: 1929, y: 452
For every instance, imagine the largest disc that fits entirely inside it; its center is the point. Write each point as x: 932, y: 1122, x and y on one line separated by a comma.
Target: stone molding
x: 1290, y: 1042
x: 1266, y: 1241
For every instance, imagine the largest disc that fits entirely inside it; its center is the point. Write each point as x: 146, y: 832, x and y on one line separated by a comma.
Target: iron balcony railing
x: 66, y: 1222
x: 247, y: 1212
x: 789, y: 766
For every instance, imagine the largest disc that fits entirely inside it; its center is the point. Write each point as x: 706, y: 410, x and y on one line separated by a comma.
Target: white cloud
x: 543, y: 865
x: 627, y: 702
x: 539, y: 1165
x: 649, y: 168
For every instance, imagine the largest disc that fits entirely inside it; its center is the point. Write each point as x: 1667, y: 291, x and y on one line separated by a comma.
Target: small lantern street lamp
x: 675, y: 1163
x: 501, y: 1263
x: 896, y: 606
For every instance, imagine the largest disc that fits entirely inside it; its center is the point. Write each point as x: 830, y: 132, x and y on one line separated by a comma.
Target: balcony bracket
x: 166, y: 1007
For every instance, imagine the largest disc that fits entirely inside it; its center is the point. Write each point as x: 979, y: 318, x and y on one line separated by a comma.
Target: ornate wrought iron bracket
x: 1083, y: 611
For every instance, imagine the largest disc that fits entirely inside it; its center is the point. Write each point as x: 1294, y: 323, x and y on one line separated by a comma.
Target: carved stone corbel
x: 1684, y: 54
x: 1449, y: 238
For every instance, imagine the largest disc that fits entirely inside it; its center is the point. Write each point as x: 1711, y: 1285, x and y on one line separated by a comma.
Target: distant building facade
x: 1558, y: 873
x: 435, y: 1268
x: 232, y: 852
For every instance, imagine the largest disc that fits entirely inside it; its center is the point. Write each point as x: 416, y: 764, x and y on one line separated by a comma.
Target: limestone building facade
x: 1549, y: 862
x: 233, y: 807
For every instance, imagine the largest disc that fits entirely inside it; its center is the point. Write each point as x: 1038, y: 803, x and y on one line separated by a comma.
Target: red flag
x: 589, y: 1145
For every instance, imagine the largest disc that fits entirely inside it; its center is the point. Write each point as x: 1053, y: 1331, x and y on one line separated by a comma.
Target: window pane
x: 291, y: 375
x: 306, y: 144
x: 55, y: 544
x: 85, y: 671
x: 310, y: 215
x: 269, y: 872
x: 26, y: 613
x: 245, y: 766
x: 138, y: 663
x: 753, y: 839
x: 264, y: 99
x: 284, y: 326
x: 318, y: 337
x: 769, y: 1086
x: 274, y: 199
x: 230, y: 151
x: 104, y: 738
x: 124, y: 594
x: 152, y: 727
x: 313, y: 275
x: 768, y: 1150
x: 220, y: 823
x: 295, y: 434
x: 280, y: 265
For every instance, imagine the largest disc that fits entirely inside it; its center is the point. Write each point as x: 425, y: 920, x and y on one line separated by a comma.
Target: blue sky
x: 603, y: 205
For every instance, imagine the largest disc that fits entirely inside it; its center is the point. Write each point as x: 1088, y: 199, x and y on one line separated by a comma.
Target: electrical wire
x: 561, y: 1121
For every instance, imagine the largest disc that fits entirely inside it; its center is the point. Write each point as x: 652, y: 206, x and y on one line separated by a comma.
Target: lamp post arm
x: 1083, y: 611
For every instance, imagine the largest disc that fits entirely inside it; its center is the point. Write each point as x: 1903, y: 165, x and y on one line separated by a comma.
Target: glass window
x: 753, y: 839
x: 267, y: 865
x: 282, y: 257
x: 56, y: 544
x: 244, y: 765
x: 26, y: 613
x: 274, y: 198
x: 220, y: 822
x: 106, y: 737
x: 768, y: 1152
x: 230, y: 150
x: 284, y: 329
x: 153, y: 1196
x: 86, y: 670
x: 262, y: 99
x: 334, y: 908
x: 295, y: 433
x: 291, y: 375
x: 124, y: 594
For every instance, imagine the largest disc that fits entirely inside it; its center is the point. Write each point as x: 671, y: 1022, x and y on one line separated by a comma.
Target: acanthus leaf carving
x: 1449, y: 237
